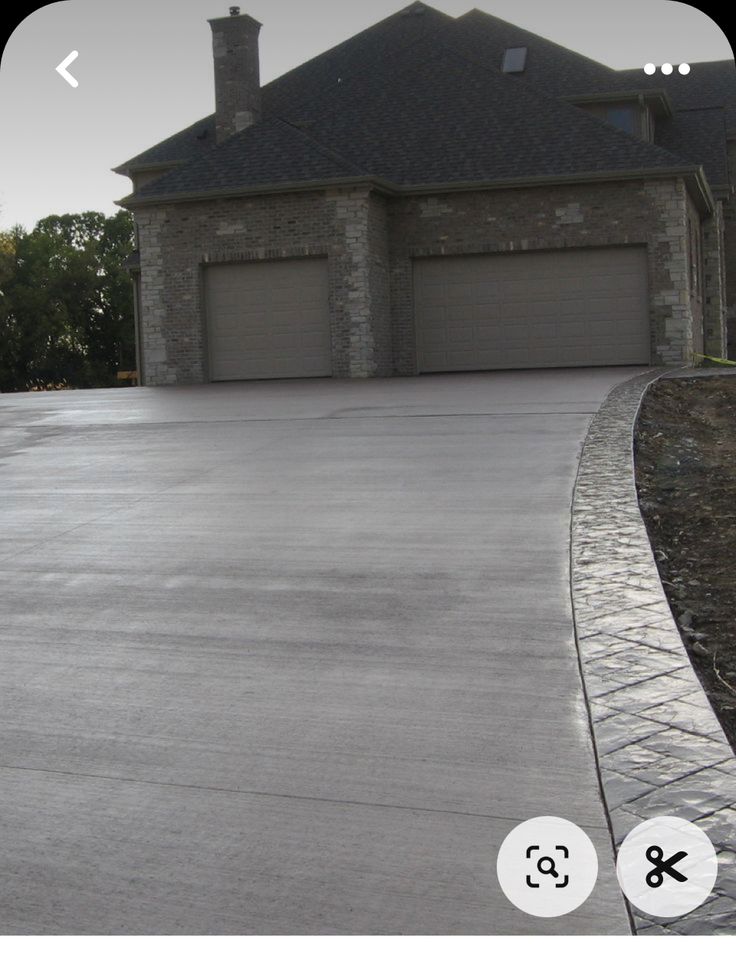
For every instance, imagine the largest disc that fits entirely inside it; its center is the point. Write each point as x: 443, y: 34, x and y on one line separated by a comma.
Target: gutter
x: 693, y: 175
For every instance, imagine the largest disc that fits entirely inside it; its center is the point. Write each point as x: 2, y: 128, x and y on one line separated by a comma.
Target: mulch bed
x: 685, y: 448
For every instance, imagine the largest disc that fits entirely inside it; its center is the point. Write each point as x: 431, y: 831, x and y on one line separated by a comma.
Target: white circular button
x: 547, y: 866
x: 667, y: 866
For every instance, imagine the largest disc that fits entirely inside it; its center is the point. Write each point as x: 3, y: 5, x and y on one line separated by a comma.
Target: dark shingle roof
x: 361, y: 55
x: 437, y: 119
x: 709, y: 84
x: 698, y: 136
x: 550, y: 67
x: 419, y: 99
x: 193, y: 142
x: 250, y: 158
x: 694, y: 136
x: 704, y: 103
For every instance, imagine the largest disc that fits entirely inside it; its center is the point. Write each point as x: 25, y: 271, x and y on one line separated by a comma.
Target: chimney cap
x: 244, y: 18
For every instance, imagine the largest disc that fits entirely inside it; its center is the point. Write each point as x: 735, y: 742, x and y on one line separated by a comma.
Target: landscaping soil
x: 685, y: 451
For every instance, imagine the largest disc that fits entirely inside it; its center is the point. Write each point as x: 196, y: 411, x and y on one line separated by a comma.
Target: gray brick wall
x: 178, y: 241
x: 533, y: 219
x: 370, y: 242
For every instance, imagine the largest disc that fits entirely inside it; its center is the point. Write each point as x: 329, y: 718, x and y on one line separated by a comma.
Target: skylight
x: 514, y: 60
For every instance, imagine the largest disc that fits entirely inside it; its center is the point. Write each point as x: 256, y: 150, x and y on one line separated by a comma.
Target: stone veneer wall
x: 359, y: 310
x: 714, y: 275
x: 729, y: 225
x: 154, y: 320
x: 380, y: 285
x: 652, y: 212
x: 370, y: 242
x: 670, y: 293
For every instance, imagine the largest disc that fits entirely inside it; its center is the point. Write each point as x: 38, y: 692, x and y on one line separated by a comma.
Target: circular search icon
x: 547, y: 866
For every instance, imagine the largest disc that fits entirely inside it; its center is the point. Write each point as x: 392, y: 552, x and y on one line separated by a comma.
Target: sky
x: 144, y: 71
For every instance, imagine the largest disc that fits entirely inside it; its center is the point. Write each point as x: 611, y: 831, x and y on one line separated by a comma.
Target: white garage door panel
x: 532, y: 310
x: 268, y: 319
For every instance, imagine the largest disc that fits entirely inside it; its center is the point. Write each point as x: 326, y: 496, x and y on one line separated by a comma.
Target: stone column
x: 153, y: 299
x: 358, y: 300
x: 669, y: 274
x: 714, y: 308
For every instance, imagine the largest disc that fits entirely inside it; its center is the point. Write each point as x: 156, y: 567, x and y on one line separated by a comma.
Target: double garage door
x: 532, y: 310
x: 528, y: 310
x: 268, y: 319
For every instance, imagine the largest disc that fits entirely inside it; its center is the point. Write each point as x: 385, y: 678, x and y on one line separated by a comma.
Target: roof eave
x: 694, y: 176
x: 127, y: 168
x: 132, y: 202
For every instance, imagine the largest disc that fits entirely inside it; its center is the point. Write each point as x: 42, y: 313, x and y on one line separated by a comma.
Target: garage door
x: 532, y: 310
x: 268, y: 319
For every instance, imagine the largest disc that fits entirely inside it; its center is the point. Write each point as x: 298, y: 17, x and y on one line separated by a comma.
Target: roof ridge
x: 361, y: 33
x: 322, y: 148
x: 476, y: 12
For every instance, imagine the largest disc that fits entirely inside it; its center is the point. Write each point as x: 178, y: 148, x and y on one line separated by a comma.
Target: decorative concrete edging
x: 660, y: 749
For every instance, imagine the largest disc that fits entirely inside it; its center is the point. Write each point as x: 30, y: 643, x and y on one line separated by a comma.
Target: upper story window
x: 514, y: 60
x: 623, y: 118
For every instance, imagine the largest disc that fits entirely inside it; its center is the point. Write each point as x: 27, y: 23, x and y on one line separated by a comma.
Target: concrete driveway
x: 291, y: 657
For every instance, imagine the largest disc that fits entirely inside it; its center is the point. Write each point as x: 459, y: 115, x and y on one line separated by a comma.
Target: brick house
x: 436, y: 194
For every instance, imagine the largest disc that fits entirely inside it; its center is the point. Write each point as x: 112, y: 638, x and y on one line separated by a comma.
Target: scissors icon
x: 655, y: 878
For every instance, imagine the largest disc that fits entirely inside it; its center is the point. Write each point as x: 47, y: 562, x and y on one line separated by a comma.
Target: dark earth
x: 685, y: 450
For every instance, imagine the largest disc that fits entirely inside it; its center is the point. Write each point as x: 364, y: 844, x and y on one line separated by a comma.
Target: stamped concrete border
x: 660, y: 749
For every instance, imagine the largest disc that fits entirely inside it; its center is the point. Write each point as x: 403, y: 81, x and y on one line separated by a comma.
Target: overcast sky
x: 145, y: 72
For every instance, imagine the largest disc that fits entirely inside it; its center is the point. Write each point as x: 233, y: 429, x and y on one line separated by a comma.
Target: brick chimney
x: 237, y: 75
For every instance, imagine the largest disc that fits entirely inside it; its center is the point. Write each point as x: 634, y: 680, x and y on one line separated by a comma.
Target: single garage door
x: 532, y: 310
x: 268, y: 319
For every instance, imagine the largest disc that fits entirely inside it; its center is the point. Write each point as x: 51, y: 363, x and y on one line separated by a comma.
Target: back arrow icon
x: 61, y: 69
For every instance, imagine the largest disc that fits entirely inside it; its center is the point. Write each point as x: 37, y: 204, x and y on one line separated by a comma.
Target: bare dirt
x: 685, y: 449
